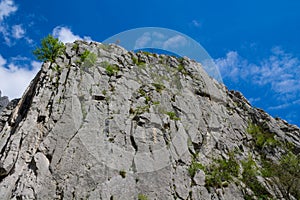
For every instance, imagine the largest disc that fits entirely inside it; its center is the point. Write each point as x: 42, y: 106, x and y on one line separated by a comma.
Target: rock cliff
x: 3, y: 102
x: 104, y: 123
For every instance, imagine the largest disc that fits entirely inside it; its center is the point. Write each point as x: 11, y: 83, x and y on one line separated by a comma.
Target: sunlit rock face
x: 104, y: 123
x: 3, y: 102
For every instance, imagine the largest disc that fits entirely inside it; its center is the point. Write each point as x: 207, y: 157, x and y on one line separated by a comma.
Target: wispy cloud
x: 279, y: 74
x: 7, y: 7
x: 18, y: 31
x: 234, y: 67
x: 65, y: 35
x: 285, y: 105
x: 254, y: 100
x: 293, y: 117
x: 143, y: 41
x: 196, y: 23
x: 19, y: 58
x: 279, y: 71
x: 4, y: 30
x: 175, y: 42
x: 15, y: 78
x: 11, y: 33
x: 160, y: 41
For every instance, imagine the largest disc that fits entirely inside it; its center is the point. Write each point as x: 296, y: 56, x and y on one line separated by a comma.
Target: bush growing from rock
x: 50, y: 49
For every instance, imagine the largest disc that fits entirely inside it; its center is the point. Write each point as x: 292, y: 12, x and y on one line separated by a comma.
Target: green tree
x: 289, y: 174
x: 50, y: 49
x: 285, y: 173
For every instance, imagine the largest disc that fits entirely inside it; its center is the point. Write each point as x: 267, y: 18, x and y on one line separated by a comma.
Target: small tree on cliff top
x: 50, y: 49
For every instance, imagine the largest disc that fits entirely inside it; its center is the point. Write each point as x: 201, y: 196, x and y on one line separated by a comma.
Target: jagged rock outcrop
x: 3, y: 102
x: 104, y: 123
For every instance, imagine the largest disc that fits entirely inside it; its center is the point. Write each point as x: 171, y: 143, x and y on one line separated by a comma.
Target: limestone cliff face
x: 104, y: 123
x: 3, y: 102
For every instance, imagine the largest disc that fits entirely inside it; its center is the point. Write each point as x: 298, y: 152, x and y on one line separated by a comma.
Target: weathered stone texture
x: 81, y: 132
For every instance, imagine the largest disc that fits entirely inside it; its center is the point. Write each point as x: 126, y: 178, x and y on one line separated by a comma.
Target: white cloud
x: 8, y: 32
x: 143, y: 41
x: 280, y: 71
x: 150, y: 40
x: 36, y: 65
x: 15, y: 79
x: 175, y: 42
x: 2, y: 61
x: 278, y: 74
x: 5, y: 33
x: 160, y: 41
x: 158, y: 35
x: 254, y: 100
x: 7, y: 7
x: 285, y: 105
x: 18, y: 31
x: 233, y: 66
x: 13, y: 33
x: 65, y: 35
x: 29, y: 40
x: 19, y: 58
x: 280, y: 107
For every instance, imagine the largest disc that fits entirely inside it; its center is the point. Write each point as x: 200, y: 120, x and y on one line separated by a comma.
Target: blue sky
x: 256, y: 44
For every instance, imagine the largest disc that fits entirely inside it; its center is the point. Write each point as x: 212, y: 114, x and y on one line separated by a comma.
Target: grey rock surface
x: 4, y: 101
x: 132, y: 126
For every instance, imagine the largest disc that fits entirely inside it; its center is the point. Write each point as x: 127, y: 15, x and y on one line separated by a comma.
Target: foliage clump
x: 139, y: 110
x: 158, y: 87
x: 182, y: 69
x: 138, y: 62
x: 50, y: 49
x: 222, y: 170
x: 135, y: 60
x: 142, y: 197
x: 147, y: 53
x: 111, y: 70
x: 194, y: 167
x: 249, y: 177
x: 261, y: 138
x: 145, y: 95
x: 75, y: 47
x: 218, y: 173
x: 286, y: 174
x: 173, y: 116
x: 89, y: 58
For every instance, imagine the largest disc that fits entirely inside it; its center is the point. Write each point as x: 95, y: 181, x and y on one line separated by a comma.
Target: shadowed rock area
x: 104, y: 123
